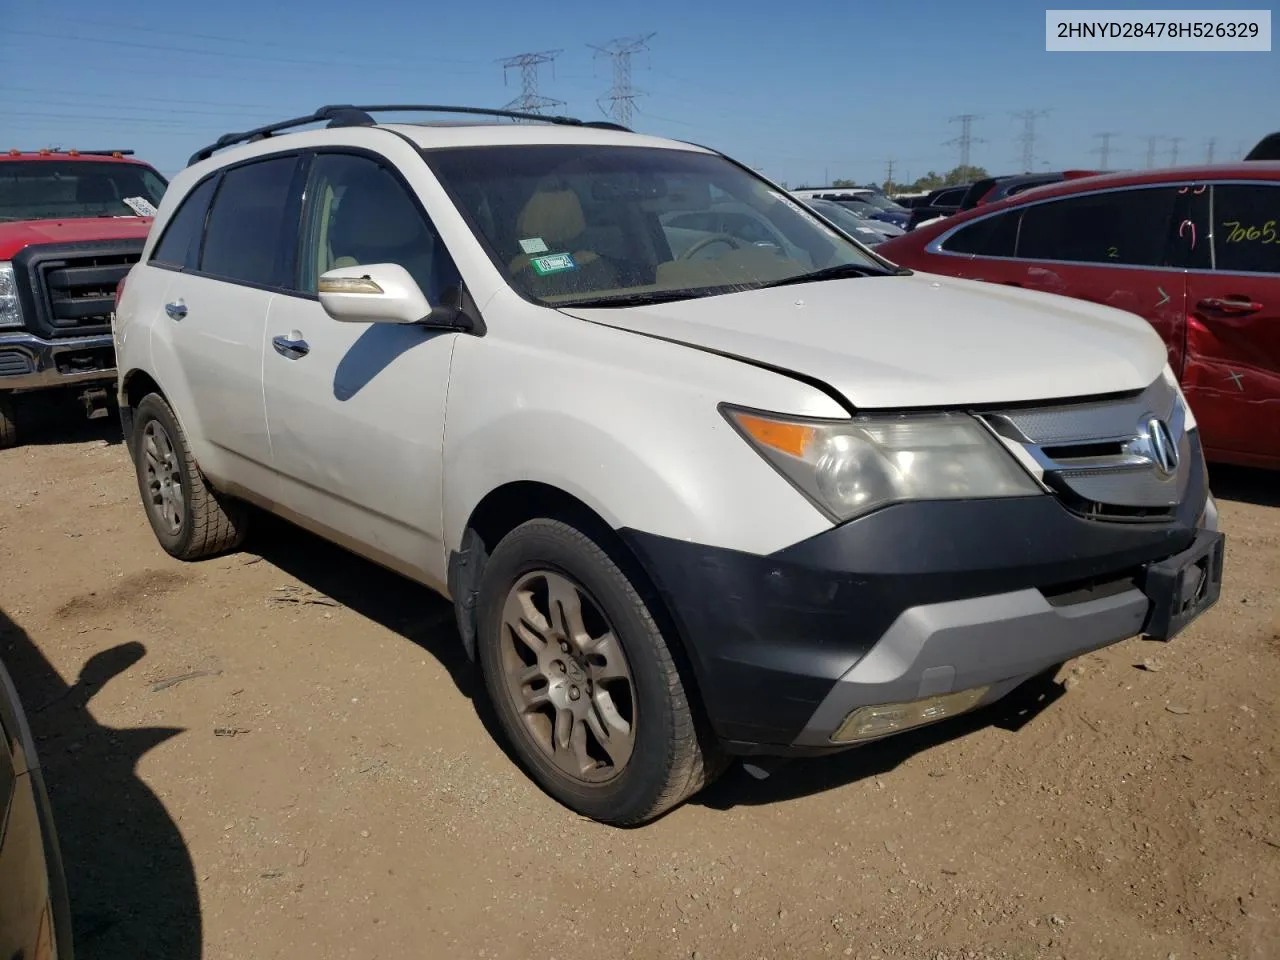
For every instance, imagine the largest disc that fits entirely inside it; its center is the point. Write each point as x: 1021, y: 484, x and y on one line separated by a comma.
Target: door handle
x: 292, y: 349
x: 1230, y: 305
x: 176, y: 311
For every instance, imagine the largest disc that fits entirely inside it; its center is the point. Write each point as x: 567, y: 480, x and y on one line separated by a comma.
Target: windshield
x: 882, y: 202
x: 67, y: 189
x: 848, y: 221
x: 575, y: 223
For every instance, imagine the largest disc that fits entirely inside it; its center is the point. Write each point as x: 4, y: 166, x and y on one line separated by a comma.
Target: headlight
x: 10, y: 309
x: 850, y: 467
x: 1172, y: 380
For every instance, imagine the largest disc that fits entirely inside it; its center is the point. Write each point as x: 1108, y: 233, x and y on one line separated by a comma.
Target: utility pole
x: 888, y: 173
x: 1151, y: 151
x: 966, y: 140
x: 1208, y: 149
x: 1173, y: 150
x: 1105, y: 149
x: 621, y: 97
x: 529, y: 100
x: 1028, y: 136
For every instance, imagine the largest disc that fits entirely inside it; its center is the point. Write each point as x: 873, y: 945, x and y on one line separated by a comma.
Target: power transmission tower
x: 966, y: 140
x: 888, y: 173
x: 621, y: 98
x: 529, y: 100
x: 1151, y: 151
x: 1208, y: 149
x: 1104, y: 149
x: 1173, y: 150
x: 1028, y: 136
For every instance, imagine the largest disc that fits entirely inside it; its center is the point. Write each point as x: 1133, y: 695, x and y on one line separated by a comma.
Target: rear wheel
x: 582, y: 679
x: 190, y: 519
x: 8, y: 423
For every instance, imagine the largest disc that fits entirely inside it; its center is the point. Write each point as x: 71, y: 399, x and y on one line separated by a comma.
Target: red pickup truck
x: 1194, y: 250
x: 72, y: 223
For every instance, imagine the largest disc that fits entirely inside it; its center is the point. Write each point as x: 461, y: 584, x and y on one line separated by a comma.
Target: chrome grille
x: 1106, y: 459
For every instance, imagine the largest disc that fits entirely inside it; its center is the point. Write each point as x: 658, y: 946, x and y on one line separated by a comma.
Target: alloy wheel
x: 163, y: 469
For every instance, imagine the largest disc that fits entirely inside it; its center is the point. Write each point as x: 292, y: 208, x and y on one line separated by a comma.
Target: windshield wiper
x: 634, y: 299
x: 838, y: 272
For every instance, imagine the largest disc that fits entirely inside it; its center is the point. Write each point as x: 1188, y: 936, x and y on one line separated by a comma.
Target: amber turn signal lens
x: 792, y: 438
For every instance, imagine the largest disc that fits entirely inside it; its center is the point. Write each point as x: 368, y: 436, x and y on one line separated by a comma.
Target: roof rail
x: 73, y: 152
x: 347, y: 115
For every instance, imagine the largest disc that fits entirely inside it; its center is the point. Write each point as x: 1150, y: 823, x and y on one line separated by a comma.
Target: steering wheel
x: 707, y: 241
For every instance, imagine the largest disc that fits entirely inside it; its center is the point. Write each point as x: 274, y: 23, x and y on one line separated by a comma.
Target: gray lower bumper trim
x: 944, y: 647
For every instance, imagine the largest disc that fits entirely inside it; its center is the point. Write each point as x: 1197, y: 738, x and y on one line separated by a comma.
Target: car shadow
x: 1245, y: 484
x: 801, y: 777
x: 59, y: 418
x: 130, y: 877
x: 375, y: 350
x: 400, y: 605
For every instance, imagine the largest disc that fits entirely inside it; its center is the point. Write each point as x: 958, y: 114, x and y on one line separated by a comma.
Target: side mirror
x: 382, y: 293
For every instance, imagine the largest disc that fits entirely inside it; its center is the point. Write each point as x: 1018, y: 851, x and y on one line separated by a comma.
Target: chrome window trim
x: 934, y: 246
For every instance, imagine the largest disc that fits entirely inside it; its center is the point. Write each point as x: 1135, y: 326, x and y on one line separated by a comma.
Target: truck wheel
x: 190, y: 519
x: 583, y: 681
x: 8, y: 425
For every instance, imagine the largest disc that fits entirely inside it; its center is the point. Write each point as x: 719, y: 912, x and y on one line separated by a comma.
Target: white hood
x: 916, y: 341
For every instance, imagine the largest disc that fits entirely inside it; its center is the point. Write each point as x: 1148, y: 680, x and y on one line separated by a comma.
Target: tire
x: 208, y: 523
x: 8, y: 423
x: 669, y: 758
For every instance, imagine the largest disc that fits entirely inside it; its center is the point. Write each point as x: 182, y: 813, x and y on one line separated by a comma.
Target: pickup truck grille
x: 69, y: 289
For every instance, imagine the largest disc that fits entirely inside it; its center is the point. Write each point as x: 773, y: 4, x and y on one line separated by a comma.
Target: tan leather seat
x: 377, y: 223
x: 555, y: 217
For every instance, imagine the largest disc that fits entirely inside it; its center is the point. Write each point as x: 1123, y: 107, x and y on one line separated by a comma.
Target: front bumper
x: 29, y: 362
x: 911, y: 601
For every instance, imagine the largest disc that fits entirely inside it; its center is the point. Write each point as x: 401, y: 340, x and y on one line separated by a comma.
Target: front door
x: 356, y: 410
x: 1232, y: 379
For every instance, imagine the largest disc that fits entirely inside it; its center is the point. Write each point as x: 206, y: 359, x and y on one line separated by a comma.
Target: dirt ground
x: 320, y: 783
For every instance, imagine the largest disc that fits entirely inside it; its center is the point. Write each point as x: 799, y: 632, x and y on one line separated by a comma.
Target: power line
x: 1209, y: 146
x: 1104, y: 149
x: 1173, y: 150
x: 966, y: 140
x: 529, y: 100
x: 1028, y: 136
x: 621, y: 96
x: 1152, y: 141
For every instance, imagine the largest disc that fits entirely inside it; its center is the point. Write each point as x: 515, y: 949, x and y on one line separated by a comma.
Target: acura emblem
x: 1160, y: 448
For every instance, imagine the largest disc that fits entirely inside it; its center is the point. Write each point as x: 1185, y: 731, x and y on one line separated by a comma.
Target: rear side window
x: 1246, y: 229
x: 180, y: 244
x: 250, y: 236
x: 990, y: 237
x: 950, y: 198
x: 1129, y: 227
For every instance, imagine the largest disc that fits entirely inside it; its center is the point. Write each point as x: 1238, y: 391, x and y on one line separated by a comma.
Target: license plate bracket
x: 1184, y: 586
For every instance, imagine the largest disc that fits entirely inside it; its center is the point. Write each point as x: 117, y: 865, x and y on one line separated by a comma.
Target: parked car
x: 940, y: 203
x: 987, y: 190
x: 877, y: 205
x: 862, y: 229
x: 35, y: 916
x: 1194, y: 250
x: 686, y: 506
x: 71, y: 224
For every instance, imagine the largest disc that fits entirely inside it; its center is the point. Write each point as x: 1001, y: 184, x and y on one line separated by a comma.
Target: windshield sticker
x: 140, y: 205
x: 553, y: 263
x: 533, y: 245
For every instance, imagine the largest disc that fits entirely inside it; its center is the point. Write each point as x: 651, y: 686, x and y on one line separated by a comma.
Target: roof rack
x: 346, y: 115
x: 73, y: 152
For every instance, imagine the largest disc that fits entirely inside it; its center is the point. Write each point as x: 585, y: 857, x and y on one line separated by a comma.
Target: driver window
x: 358, y: 212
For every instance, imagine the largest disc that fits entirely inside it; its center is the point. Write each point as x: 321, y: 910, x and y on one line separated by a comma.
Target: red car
x: 1194, y: 250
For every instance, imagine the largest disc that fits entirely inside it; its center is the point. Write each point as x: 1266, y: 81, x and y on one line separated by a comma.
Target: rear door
x: 1232, y: 378
x: 208, y: 347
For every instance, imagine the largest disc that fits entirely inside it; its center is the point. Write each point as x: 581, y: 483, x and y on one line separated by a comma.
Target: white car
x: 736, y: 500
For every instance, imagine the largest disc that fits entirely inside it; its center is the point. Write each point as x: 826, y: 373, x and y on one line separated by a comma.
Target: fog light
x: 876, y: 721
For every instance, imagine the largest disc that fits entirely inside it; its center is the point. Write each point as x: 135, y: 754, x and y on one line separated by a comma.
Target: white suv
x: 735, y: 499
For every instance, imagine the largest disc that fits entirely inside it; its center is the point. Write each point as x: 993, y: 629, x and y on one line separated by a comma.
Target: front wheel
x: 582, y: 679
x: 189, y: 518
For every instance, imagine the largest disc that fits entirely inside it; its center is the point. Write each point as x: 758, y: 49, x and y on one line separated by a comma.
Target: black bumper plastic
x: 769, y: 636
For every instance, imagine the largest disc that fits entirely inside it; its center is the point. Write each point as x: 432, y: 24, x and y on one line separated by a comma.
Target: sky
x: 806, y: 91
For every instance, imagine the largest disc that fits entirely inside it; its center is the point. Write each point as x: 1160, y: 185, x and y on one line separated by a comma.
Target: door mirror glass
x: 373, y: 293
